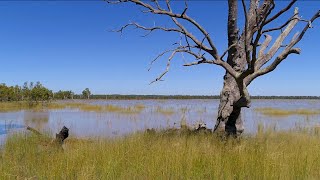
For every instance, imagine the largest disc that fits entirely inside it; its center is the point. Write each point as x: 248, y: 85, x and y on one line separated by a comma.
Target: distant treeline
x: 31, y: 92
x: 139, y: 97
x: 285, y: 97
x: 36, y: 92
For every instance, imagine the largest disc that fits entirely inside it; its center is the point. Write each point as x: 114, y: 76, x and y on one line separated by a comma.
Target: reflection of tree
x: 37, y: 119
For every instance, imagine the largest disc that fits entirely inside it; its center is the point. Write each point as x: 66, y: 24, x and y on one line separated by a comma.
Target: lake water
x: 108, y: 124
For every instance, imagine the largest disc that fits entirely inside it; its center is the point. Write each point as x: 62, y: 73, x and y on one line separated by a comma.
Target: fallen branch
x: 60, y: 137
x: 33, y: 130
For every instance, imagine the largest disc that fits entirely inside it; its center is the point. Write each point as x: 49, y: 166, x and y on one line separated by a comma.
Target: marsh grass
x: 135, y: 109
x: 168, y: 111
x: 285, y: 112
x: 159, y: 155
x: 17, y: 106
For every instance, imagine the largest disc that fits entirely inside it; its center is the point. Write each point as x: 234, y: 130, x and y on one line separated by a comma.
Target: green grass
x: 162, y: 155
x: 285, y: 112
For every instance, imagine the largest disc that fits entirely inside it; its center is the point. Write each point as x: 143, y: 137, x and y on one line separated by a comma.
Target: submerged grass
x: 165, y: 111
x: 285, y: 112
x: 157, y: 155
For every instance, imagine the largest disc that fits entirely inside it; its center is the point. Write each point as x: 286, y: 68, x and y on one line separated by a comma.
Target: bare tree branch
x: 157, y: 4
x: 184, y: 16
x: 185, y: 9
x: 238, y: 47
x: 263, y: 47
x: 277, y: 44
x: 150, y: 29
x: 280, y: 27
x: 276, y: 62
x: 160, y: 55
x: 116, y: 1
x: 174, y: 52
x: 246, y: 32
x: 199, y: 62
x: 226, y: 51
x: 281, y: 12
x: 167, y: 68
x: 256, y: 25
x: 232, y: 29
x: 287, y: 51
x: 315, y: 16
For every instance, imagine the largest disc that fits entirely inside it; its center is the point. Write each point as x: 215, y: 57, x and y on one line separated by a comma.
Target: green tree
x: 25, y: 92
x: 3, y: 92
x: 17, y: 93
x: 63, y: 95
x: 40, y: 93
x: 86, y: 93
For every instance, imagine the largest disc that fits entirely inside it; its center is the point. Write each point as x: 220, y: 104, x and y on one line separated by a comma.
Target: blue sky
x: 68, y: 45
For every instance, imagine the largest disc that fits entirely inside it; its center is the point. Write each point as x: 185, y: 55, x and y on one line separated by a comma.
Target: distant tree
x: 25, y: 91
x: 11, y: 96
x: 63, y: 95
x: 17, y: 93
x: 248, y: 53
x: 40, y: 93
x: 3, y: 92
x: 86, y: 93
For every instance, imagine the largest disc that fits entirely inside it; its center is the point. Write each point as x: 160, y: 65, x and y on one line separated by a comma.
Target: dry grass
x: 284, y: 112
x: 267, y: 155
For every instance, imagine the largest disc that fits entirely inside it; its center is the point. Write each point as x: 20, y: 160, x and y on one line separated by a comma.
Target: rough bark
x: 229, y: 116
x: 233, y: 98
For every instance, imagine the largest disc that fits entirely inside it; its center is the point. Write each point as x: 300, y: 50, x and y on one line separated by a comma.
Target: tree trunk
x: 229, y: 120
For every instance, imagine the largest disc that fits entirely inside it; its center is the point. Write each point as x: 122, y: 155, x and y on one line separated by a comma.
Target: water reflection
x: 5, y: 128
x: 36, y: 119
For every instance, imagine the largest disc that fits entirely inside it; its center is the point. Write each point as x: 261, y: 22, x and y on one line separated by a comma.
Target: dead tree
x: 248, y: 51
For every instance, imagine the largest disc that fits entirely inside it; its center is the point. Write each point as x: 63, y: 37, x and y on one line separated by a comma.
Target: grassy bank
x: 267, y: 155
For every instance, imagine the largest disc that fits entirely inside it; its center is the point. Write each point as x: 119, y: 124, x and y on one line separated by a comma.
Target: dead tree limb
x: 60, y: 137
x: 33, y: 130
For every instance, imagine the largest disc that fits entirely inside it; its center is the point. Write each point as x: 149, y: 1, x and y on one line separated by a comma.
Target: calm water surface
x: 107, y: 124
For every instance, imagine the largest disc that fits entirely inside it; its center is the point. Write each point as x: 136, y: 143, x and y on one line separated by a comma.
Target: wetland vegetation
x: 266, y: 155
x: 151, y: 139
